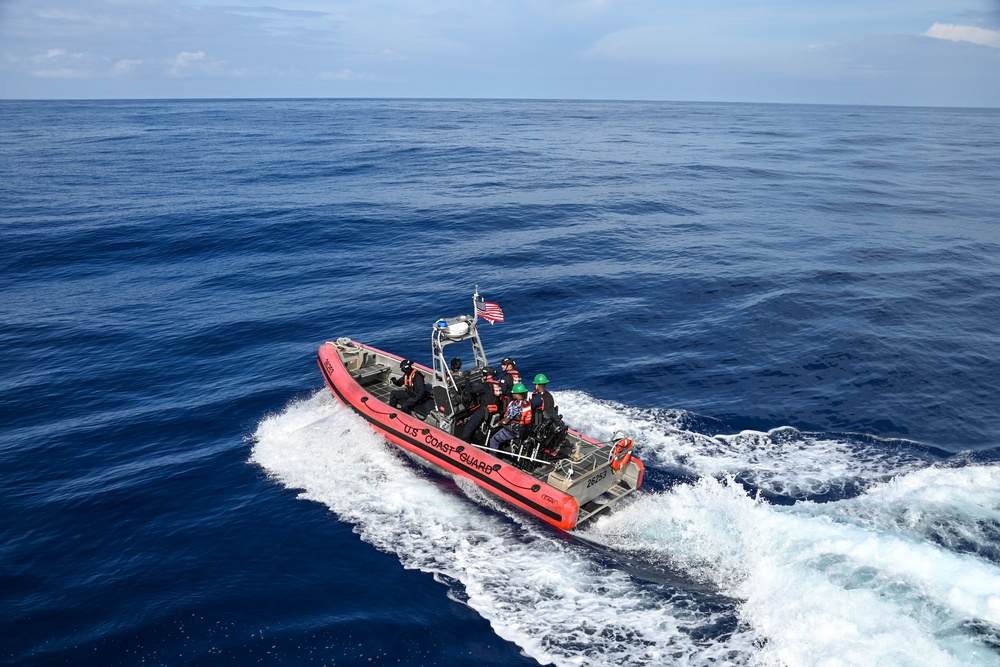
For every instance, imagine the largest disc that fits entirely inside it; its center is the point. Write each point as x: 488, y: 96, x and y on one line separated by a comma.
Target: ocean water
x: 794, y: 309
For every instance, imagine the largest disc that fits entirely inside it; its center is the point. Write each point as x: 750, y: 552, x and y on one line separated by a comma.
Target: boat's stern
x: 599, y: 479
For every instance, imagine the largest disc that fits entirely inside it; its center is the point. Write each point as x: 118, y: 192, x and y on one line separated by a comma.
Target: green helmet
x: 519, y: 388
x: 541, y: 379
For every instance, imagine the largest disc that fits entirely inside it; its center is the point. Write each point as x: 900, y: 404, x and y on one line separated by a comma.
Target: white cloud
x: 58, y: 14
x: 61, y: 64
x: 183, y: 61
x: 125, y: 66
x: 343, y: 75
x: 646, y: 44
x: 51, y: 54
x: 57, y: 55
x: 64, y: 73
x: 965, y: 33
x: 385, y: 54
x: 188, y: 63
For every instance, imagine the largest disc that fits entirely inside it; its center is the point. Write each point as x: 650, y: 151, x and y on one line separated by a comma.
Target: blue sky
x: 905, y: 52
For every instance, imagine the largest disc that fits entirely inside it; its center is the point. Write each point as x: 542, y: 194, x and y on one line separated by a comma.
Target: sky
x: 883, y: 52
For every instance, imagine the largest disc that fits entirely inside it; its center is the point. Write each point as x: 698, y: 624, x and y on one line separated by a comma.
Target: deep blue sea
x: 794, y: 309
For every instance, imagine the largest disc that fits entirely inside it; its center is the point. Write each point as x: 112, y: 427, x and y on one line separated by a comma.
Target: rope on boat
x: 533, y: 487
x: 364, y: 401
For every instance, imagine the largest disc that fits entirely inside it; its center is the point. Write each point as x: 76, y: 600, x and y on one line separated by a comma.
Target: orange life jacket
x: 408, y: 381
x: 526, y: 415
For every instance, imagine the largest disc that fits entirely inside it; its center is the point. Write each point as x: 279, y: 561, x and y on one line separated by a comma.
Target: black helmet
x: 489, y: 370
x: 508, y: 361
x: 406, y: 365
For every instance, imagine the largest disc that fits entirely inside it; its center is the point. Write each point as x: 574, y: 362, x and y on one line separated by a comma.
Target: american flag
x: 489, y: 311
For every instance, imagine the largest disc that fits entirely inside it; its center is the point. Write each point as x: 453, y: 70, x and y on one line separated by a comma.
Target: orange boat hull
x: 446, y: 451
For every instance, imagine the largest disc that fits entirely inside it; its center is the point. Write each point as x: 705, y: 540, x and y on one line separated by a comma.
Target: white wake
x: 865, y: 581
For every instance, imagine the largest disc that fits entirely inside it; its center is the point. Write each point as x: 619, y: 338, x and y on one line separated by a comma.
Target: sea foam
x: 863, y: 580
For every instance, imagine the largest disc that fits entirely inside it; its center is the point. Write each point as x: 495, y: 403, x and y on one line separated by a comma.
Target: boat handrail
x: 494, y: 452
x: 596, y: 458
x: 575, y: 466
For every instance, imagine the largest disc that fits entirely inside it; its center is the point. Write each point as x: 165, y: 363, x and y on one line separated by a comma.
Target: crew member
x: 517, y: 417
x: 541, y: 399
x: 490, y: 395
x: 460, y: 377
x: 414, y: 391
x: 549, y: 428
x: 510, y: 377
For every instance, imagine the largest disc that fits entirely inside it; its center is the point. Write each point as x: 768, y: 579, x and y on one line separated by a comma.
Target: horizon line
x: 481, y: 99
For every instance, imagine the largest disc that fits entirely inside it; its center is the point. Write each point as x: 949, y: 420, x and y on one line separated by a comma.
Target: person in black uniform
x: 541, y: 399
x: 550, y: 429
x: 460, y: 377
x: 414, y: 389
x: 511, y: 375
x: 489, y: 394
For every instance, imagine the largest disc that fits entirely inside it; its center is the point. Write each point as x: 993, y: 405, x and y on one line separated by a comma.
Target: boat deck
x: 381, y: 390
x: 379, y: 385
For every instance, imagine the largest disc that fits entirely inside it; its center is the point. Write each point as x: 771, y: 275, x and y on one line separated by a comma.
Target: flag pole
x: 475, y: 304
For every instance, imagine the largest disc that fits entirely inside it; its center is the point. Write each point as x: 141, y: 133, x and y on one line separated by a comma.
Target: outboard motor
x: 550, y: 432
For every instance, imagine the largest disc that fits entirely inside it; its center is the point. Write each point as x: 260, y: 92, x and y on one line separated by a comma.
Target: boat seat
x: 367, y: 375
x: 442, y: 402
x: 424, y: 408
x: 449, y: 402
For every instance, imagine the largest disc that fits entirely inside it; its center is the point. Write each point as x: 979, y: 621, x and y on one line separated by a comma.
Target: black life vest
x: 493, y: 404
x: 543, y: 398
x: 509, y: 379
